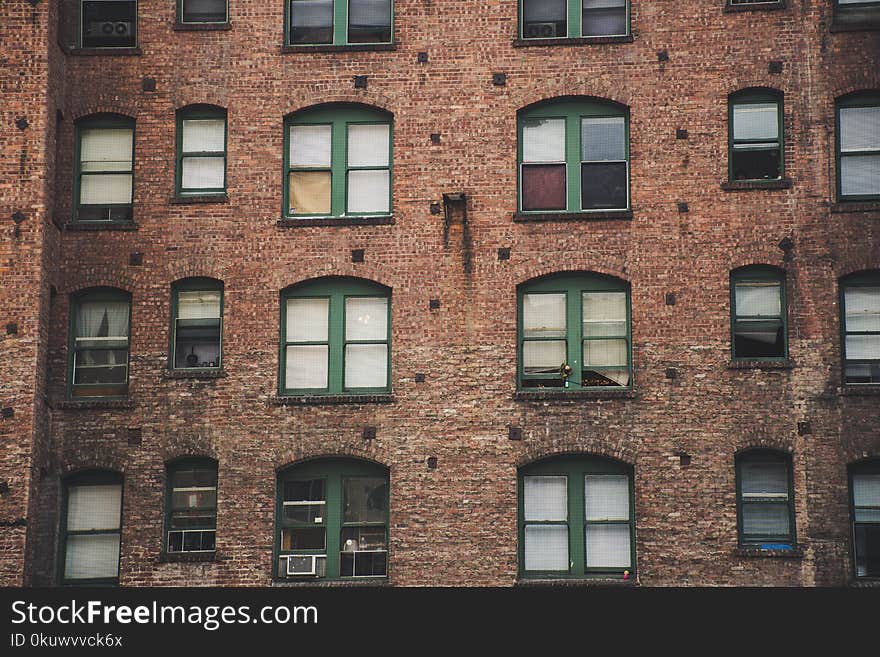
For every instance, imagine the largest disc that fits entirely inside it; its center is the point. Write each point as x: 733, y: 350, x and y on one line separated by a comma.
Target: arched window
x: 196, y: 324
x: 100, y: 324
x: 858, y: 147
x: 91, y: 524
x: 332, y: 520
x: 765, y: 499
x: 191, y: 505
x: 104, y: 179
x: 576, y: 518
x: 335, y: 337
x: 864, y: 479
x: 755, y: 135
x: 860, y: 320
x: 758, y: 313
x: 573, y: 156
x: 574, y: 332
x: 337, y: 162
x: 201, y: 151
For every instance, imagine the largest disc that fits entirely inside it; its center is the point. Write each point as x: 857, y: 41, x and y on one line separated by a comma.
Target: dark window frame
x: 80, y: 32
x: 758, y: 274
x: 197, y: 112
x: 574, y: 23
x: 755, y: 97
x: 194, y: 284
x: 866, y: 278
x: 340, y: 28
x: 869, y: 98
x: 181, y: 14
x: 869, y: 467
x: 765, y: 541
x: 103, y: 121
x: 183, y: 464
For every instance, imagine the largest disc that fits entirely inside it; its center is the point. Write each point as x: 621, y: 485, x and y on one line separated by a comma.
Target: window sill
x: 871, y: 26
x: 860, y: 390
x: 384, y: 220
x: 352, y: 47
x: 753, y: 185
x: 188, y: 557
x: 796, y: 552
x: 106, y: 52
x: 578, y: 582
x: 864, y: 582
x: 786, y: 364
x: 573, y: 41
x: 320, y: 400
x: 855, y: 206
x: 758, y: 6
x: 200, y: 27
x: 184, y: 199
x: 573, y: 395
x: 194, y: 374
x: 332, y: 583
x: 601, y: 215
x: 100, y: 404
x: 78, y: 226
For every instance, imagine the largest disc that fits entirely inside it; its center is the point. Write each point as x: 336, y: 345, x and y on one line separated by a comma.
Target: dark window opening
x: 109, y: 24
x: 203, y: 11
x: 311, y: 21
x: 369, y: 21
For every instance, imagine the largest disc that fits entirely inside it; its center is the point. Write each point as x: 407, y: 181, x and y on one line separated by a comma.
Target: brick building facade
x: 461, y: 432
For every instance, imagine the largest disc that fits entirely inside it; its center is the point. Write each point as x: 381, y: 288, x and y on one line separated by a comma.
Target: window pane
x: 608, y: 546
x: 604, y: 186
x: 859, y: 128
x: 304, y: 538
x: 189, y: 478
x: 366, y: 366
x: 860, y: 175
x: 544, y: 356
x: 758, y: 299
x: 193, y: 499
x: 368, y: 191
x: 197, y: 343
x: 100, y: 366
x: 369, y: 21
x: 863, y: 347
x: 92, y: 556
x: 362, y: 564
x: 310, y: 145
x: 862, y: 308
x: 756, y: 121
x: 543, y: 187
x: 543, y: 140
x: 544, y: 19
x: 604, y: 314
x: 544, y: 315
x: 604, y: 17
x: 99, y: 319
x: 106, y: 149
x: 105, y: 188
x: 866, y: 489
x: 198, y: 305
x: 311, y: 21
x: 364, y: 538
x: 203, y: 173
x: 310, y: 192
x: 606, y: 497
x: 756, y: 164
x: 306, y: 367
x: 307, y: 320
x: 366, y: 318
x: 765, y: 520
x: 758, y: 339
x: 364, y: 500
x: 605, y: 352
x: 867, y: 550
x: 203, y: 135
x: 545, y: 498
x: 109, y: 24
x: 306, y: 490
x: 546, y: 547
x: 93, y: 507
x: 603, y: 138
x: 368, y: 145
x: 204, y: 11
x: 763, y: 479
x: 598, y: 376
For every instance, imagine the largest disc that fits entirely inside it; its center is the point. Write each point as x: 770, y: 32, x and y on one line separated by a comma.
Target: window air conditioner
x: 302, y: 564
x: 109, y: 29
x: 540, y: 30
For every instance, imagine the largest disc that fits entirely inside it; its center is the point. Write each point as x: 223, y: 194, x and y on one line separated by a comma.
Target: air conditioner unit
x: 302, y: 564
x: 540, y: 30
x: 109, y: 29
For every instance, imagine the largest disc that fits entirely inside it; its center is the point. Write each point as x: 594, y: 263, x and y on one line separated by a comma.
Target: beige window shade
x: 310, y: 192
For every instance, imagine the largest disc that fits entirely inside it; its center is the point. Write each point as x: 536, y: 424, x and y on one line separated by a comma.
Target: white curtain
x: 859, y: 129
x: 866, y: 492
x: 106, y: 149
x: 198, y: 305
x: 545, y: 498
x: 366, y: 366
x: 367, y: 13
x: 368, y: 190
x: 604, y: 314
x: 307, y: 320
x: 544, y: 11
x: 543, y: 354
x: 862, y: 308
x: 97, y: 319
x: 92, y: 556
x: 859, y: 174
x: 306, y: 366
x: 99, y: 189
x: 606, y: 497
x: 603, y: 138
x: 311, y: 13
x: 204, y: 135
x: 93, y: 507
x: 310, y: 145
x: 763, y: 479
x: 546, y: 547
x: 756, y: 121
x: 605, y: 352
x: 203, y: 173
x: 368, y: 145
x: 758, y: 299
x: 765, y: 519
x: 366, y: 318
x: 607, y: 546
x: 860, y: 347
x: 544, y: 140
x: 543, y: 315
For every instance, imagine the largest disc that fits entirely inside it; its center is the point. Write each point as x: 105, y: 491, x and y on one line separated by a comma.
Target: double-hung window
x: 201, y: 151
x: 557, y: 19
x: 332, y: 520
x: 99, y: 343
x: 202, y: 11
x: 854, y: 14
x: 755, y: 136
x: 197, y: 324
x: 191, y: 506
x: 758, y: 313
x: 858, y: 147
x: 91, y: 525
x: 574, y: 157
x: 574, y: 332
x: 337, y: 163
x: 108, y: 23
x: 860, y: 312
x: 335, y: 338
x: 765, y: 499
x: 104, y: 168
x: 339, y: 22
x: 865, y: 511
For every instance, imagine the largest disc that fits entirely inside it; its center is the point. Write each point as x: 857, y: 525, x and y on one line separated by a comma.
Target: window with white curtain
x: 91, y: 526
x: 865, y: 513
x: 201, y: 150
x: 576, y: 518
x: 105, y: 168
x: 100, y: 343
x: 765, y: 499
x: 197, y: 324
x: 758, y: 313
x: 860, y: 317
x: 858, y: 147
x: 559, y: 19
x: 335, y: 337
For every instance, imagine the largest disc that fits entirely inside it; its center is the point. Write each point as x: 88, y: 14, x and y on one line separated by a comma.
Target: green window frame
x: 103, y: 188
x: 332, y: 520
x: 582, y: 145
x: 198, y: 326
x: 90, y: 529
x: 864, y: 504
x: 857, y: 146
x: 596, y: 347
x: 99, y: 343
x: 107, y: 24
x: 857, y: 12
x: 860, y: 327
x: 753, y: 153
x: 333, y: 332
x: 198, y: 143
x: 190, y: 506
x: 765, y: 500
x: 338, y: 22
x: 195, y: 12
x: 561, y: 19
x: 576, y: 518
x: 758, y: 310
x: 320, y: 139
